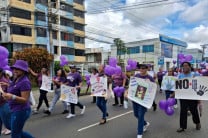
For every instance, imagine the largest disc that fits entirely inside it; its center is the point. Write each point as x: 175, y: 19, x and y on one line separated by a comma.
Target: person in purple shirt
x: 58, y: 80
x: 43, y: 93
x: 17, y: 95
x: 5, y: 114
x: 119, y: 80
x: 160, y: 75
x: 139, y: 110
x: 74, y: 79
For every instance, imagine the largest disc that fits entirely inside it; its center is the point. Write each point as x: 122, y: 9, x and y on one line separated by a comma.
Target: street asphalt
x: 121, y: 122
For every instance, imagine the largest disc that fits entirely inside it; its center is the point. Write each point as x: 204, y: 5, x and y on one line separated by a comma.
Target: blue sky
x: 186, y: 20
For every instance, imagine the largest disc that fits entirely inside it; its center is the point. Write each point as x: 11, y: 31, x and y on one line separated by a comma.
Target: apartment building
x: 57, y: 25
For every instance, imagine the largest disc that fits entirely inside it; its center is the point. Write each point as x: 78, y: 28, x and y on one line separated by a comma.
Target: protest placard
x: 46, y: 83
x: 142, y: 91
x: 195, y: 88
x: 168, y: 83
x: 69, y: 94
x: 98, y: 86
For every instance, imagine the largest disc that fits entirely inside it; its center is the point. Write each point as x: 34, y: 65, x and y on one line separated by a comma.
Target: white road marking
x: 107, y: 119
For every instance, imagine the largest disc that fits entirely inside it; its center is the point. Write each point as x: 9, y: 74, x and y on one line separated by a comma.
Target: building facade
x: 57, y: 25
x: 197, y: 56
x: 159, y: 52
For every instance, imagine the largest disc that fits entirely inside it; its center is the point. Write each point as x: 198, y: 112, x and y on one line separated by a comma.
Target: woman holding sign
x: 43, y: 93
x: 188, y: 104
x: 139, y: 110
x: 74, y: 79
x: 17, y: 95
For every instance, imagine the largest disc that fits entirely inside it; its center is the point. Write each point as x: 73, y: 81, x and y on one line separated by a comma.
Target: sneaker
x: 198, y: 126
x: 65, y: 112
x: 3, y: 131
x: 114, y: 104
x: 7, y: 132
x: 175, y: 106
x: 35, y: 111
x: 146, y: 126
x: 71, y: 115
x: 83, y: 110
x: 180, y: 130
x: 47, y: 112
x: 139, y: 136
x: 154, y: 107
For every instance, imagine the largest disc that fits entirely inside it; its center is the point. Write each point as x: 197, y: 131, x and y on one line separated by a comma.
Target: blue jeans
x: 5, y: 116
x: 18, y: 120
x: 168, y: 93
x: 101, y: 103
x: 139, y: 112
x: 56, y: 97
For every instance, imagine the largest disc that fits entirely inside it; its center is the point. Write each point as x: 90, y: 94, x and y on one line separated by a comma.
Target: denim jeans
x: 168, y: 93
x: 5, y: 116
x: 18, y: 120
x: 56, y: 97
x: 101, y: 103
x: 139, y: 112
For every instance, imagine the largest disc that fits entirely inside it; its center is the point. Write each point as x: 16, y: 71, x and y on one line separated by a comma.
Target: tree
x: 36, y: 58
x: 121, y: 49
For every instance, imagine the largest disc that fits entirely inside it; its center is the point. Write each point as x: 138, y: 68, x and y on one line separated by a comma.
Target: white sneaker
x: 139, y: 136
x: 83, y: 110
x: 7, y: 132
x: 175, y: 106
x: 71, y: 115
x: 146, y: 126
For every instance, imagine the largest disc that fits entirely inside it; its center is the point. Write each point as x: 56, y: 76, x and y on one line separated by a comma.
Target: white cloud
x: 196, y: 13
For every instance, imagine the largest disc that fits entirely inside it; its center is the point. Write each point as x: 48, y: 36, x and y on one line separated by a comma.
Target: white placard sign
x: 98, y: 86
x: 69, y: 94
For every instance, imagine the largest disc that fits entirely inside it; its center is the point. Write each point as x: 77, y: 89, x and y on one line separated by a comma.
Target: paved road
x: 122, y: 123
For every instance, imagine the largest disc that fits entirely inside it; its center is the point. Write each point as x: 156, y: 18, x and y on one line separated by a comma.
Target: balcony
x: 70, y: 2
x: 79, y: 46
x: 40, y: 7
x: 80, y: 59
x: 22, y: 39
x: 40, y: 23
x: 79, y: 7
x: 79, y: 20
x: 79, y: 33
x: 70, y: 57
x: 61, y: 27
x: 67, y: 43
x: 22, y: 5
x: 15, y: 20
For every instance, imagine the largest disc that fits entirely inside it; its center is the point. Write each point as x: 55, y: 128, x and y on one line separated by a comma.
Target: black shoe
x: 180, y: 130
x: 154, y: 107
x: 120, y: 105
x: 103, y: 121
x: 65, y: 112
x: 47, y: 112
x: 198, y: 126
x: 107, y: 114
x: 114, y: 104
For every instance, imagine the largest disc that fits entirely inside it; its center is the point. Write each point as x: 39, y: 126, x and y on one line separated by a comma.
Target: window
x: 66, y: 7
x: 27, y: 1
x: 20, y: 30
x: 44, y: 2
x: 66, y: 22
x: 40, y: 16
x: 133, y: 50
x: 79, y: 26
x: 79, y: 39
x: 20, y: 47
x: 79, y: 52
x: 148, y: 48
x: 14, y: 12
x: 67, y: 51
x: 42, y: 46
x: 41, y: 32
x: 56, y: 49
x: 54, y: 33
x: 78, y: 1
x: 67, y: 36
x: 79, y: 13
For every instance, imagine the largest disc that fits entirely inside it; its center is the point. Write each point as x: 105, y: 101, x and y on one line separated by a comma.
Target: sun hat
x: 21, y: 64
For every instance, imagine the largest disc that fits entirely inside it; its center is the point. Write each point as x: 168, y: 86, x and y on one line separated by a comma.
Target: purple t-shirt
x: 160, y: 75
x: 74, y: 79
x: 4, y: 88
x: 59, y: 79
x: 145, y: 77
x: 118, y: 79
x: 23, y: 84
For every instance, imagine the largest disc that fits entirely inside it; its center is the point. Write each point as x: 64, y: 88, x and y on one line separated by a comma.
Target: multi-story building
x: 159, y: 52
x: 197, y: 56
x: 57, y: 25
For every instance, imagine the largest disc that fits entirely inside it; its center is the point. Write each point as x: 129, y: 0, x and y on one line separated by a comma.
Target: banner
x: 98, y: 86
x: 69, y: 94
x: 195, y: 88
x: 168, y: 83
x: 47, y: 84
x: 142, y: 91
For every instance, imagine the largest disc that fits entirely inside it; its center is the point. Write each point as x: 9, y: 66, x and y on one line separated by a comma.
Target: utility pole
x: 203, y: 50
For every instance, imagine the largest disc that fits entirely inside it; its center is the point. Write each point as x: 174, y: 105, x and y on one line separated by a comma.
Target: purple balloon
x: 121, y: 89
x: 174, y: 61
x: 62, y: 57
x: 169, y: 111
x: 7, y: 68
x: 87, y: 77
x: 112, y: 62
x: 107, y: 70
x: 118, y: 70
x: 4, y: 53
x: 128, y: 68
x: 171, y: 101
x: 88, y: 82
x: 163, y: 104
x: 180, y: 55
x: 3, y: 63
x: 188, y: 57
x: 116, y: 89
x: 133, y: 64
